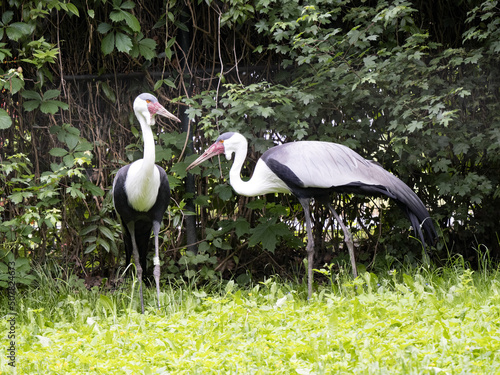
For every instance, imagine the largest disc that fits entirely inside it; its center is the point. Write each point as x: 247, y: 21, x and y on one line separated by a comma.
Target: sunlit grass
x: 420, y: 321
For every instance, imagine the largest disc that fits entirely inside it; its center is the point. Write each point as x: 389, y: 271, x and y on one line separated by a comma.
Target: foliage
x: 419, y: 321
x: 407, y: 83
x: 14, y: 270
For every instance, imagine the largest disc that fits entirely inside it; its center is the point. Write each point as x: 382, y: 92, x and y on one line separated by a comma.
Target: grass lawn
x: 445, y: 321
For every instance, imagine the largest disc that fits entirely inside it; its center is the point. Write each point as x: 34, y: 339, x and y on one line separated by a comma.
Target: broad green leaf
x: 73, y: 9
x: 108, y: 43
x: 104, y: 27
x: 31, y: 105
x: 51, y: 94
x: 17, y: 30
x: 59, y: 152
x: 132, y: 22
x: 123, y: 42
x: 88, y: 229
x: 108, y: 91
x: 15, y: 85
x: 225, y: 192
x: 106, y: 232
x: 29, y: 94
x: 49, y: 107
x: 18, y: 197
x: 147, y: 48
x: 268, y: 232
x: 127, y: 5
x: 7, y: 17
x: 5, y: 120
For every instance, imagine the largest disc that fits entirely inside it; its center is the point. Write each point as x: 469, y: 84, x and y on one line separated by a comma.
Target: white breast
x: 142, y: 185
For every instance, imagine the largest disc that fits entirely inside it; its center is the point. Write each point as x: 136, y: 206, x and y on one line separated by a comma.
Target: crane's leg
x: 310, y: 244
x: 156, y: 260
x: 347, y: 239
x: 135, y: 252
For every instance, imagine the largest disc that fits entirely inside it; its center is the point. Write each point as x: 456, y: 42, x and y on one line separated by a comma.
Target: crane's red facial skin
x: 158, y: 109
x: 216, y: 149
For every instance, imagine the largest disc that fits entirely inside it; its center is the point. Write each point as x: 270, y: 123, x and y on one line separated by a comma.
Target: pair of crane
x: 306, y: 169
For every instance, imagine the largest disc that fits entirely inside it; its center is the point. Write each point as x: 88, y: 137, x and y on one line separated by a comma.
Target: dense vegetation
x: 411, y: 84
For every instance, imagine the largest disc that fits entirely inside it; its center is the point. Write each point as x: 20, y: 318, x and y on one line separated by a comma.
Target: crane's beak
x: 158, y: 109
x: 216, y: 149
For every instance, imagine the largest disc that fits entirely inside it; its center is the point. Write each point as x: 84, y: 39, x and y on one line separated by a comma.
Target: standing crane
x: 141, y: 194
x: 314, y: 169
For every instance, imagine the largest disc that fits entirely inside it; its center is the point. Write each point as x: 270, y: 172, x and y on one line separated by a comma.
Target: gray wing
x: 314, y: 166
x: 326, y: 165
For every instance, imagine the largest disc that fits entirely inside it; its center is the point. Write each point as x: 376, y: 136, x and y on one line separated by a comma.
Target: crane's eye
x: 148, y: 101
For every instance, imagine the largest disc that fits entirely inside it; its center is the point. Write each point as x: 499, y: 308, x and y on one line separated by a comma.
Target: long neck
x: 149, y: 146
x: 143, y: 180
x: 263, y: 180
x: 240, y: 186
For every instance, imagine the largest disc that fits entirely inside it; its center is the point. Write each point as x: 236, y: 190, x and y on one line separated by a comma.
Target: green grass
x: 422, y: 322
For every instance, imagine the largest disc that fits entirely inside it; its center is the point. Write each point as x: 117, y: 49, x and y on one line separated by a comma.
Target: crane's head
x: 227, y: 144
x: 146, y: 106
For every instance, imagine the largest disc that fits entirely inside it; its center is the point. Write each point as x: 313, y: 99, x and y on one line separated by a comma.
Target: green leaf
x: 90, y: 248
x: 15, y: 85
x: 108, y: 91
x: 31, y: 105
x: 17, y: 30
x: 106, y: 232
x: 224, y: 191
x: 108, y: 43
x: 18, y: 197
x: 106, y: 302
x: 29, y: 94
x: 7, y: 17
x: 93, y: 189
x: 49, y: 107
x: 257, y: 204
x: 147, y: 48
x: 241, y: 226
x: 123, y: 42
x: 104, y: 28
x: 88, y: 229
x: 5, y: 120
x: 73, y: 9
x: 51, y: 94
x: 59, y: 152
x: 132, y: 22
x: 268, y: 232
x: 102, y: 242
x: 127, y: 5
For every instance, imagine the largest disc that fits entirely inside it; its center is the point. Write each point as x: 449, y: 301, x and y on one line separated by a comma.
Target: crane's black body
x: 143, y: 222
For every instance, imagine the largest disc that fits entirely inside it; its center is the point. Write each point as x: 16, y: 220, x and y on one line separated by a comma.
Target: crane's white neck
x: 143, y: 178
x: 149, y: 155
x: 263, y: 180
